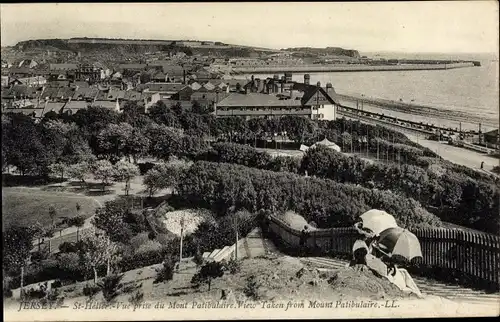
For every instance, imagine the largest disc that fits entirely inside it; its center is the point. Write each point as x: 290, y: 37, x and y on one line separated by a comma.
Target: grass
x: 27, y: 206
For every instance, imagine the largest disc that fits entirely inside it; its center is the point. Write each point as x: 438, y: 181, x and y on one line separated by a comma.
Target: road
x: 457, y: 155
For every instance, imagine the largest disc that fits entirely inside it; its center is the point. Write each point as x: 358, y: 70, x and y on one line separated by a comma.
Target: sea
x: 468, y: 96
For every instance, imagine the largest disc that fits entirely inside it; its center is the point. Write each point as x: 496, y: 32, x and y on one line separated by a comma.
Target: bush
x: 251, y: 289
x: 56, y: 284
x: 111, y: 286
x: 233, y: 266
x: 138, y: 240
x: 7, y: 292
x: 198, y: 256
x: 70, y: 267
x: 145, y: 167
x: 39, y: 255
x: 53, y: 297
x: 137, y: 298
x: 328, y: 203
x: 36, y: 293
x: 207, y: 273
x: 496, y: 169
x: 131, y: 288
x: 166, y: 272
x: 150, y: 245
x: 68, y: 247
x: 90, y: 290
x: 148, y: 258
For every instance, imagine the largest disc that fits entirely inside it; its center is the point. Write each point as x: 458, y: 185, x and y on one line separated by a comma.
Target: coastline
x: 345, y: 68
x: 418, y: 112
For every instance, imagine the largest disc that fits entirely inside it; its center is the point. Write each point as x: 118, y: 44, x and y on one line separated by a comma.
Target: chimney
x: 318, y: 84
x: 307, y: 79
x: 329, y: 88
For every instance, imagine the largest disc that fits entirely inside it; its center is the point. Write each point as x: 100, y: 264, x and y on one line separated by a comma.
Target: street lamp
x: 182, y: 235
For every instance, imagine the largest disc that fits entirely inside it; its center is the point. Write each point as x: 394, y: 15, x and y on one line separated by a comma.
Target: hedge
x: 328, y: 203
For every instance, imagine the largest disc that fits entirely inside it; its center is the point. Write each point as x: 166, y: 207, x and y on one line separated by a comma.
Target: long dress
x: 403, y: 280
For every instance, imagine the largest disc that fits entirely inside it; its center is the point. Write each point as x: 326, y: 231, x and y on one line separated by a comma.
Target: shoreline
x: 426, y: 114
x: 345, y: 68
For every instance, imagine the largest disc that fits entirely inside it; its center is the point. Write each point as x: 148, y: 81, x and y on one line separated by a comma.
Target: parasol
x: 378, y: 221
x: 397, y: 241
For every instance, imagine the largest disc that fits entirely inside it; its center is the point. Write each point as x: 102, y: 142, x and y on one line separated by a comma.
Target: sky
x: 433, y: 26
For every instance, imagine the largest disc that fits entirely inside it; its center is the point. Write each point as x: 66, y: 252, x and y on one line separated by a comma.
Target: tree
x: 126, y: 171
x: 145, y: 77
x: 114, y: 219
x: 78, y: 222
x: 111, y: 286
x: 165, y: 141
x: 104, y: 171
x: 17, y: 244
x: 52, y: 214
x: 58, y: 169
x: 137, y: 144
x: 79, y: 171
x: 252, y: 288
x: 164, y: 176
x: 346, y: 140
x: 207, y: 273
x: 98, y: 250
x: 22, y: 141
x: 113, y: 139
x: 153, y: 181
x: 166, y: 272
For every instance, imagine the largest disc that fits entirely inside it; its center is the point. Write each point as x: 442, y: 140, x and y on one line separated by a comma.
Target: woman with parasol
x: 397, y: 245
x: 372, y: 223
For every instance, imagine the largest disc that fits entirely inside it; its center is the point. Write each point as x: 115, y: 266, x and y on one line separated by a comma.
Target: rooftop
x: 256, y: 99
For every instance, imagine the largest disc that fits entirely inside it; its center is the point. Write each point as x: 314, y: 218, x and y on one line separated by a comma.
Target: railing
x: 449, y: 254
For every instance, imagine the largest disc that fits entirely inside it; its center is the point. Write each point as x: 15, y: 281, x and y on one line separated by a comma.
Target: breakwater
x: 345, y: 68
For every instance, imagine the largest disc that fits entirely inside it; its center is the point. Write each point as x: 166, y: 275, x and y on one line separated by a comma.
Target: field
x: 25, y: 206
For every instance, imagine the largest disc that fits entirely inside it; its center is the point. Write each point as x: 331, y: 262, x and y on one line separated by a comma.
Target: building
x: 166, y: 90
x: 275, y: 97
x: 88, y: 72
x: 30, y: 81
x: 63, y: 67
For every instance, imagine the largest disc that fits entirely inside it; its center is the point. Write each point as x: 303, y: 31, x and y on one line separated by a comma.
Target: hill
x: 190, y: 47
x: 334, y: 51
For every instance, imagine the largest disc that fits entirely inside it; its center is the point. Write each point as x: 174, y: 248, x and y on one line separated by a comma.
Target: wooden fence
x: 449, y: 254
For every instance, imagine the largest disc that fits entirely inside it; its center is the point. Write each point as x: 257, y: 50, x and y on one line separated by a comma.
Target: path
x: 69, y: 234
